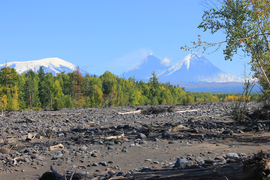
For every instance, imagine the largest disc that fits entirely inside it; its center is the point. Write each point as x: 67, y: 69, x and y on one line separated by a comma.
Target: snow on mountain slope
x: 190, y: 58
x: 196, y: 68
x: 193, y: 68
x: 54, y: 65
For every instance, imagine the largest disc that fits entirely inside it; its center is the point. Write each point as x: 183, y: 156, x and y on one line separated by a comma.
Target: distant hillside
x: 54, y: 65
x: 194, y: 72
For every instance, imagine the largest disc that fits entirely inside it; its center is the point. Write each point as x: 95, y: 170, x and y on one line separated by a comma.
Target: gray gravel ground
x: 102, y: 142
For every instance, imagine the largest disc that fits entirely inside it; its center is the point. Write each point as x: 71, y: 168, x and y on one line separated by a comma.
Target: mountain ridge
x: 178, y: 74
x: 193, y: 68
x: 196, y: 68
x: 54, y: 65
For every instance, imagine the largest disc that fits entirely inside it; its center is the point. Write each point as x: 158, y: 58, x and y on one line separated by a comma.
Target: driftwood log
x: 131, y: 112
x: 189, y: 110
x: 56, y: 147
x: 158, y: 110
x: 121, y: 136
x: 257, y: 168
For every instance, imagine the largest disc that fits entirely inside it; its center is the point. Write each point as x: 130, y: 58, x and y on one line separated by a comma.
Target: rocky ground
x: 112, y: 143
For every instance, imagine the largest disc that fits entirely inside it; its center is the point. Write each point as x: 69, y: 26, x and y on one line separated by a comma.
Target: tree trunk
x: 51, y: 101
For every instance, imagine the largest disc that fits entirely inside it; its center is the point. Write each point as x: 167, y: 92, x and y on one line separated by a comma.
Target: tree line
x: 42, y: 90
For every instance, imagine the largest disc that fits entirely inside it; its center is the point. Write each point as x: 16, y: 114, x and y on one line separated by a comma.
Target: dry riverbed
x: 118, y: 142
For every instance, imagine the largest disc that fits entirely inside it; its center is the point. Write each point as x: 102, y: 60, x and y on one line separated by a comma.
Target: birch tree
x: 246, y: 25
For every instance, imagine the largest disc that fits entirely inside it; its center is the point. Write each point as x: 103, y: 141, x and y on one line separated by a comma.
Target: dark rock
x: 94, y: 155
x: 229, y: 132
x: 141, y: 136
x: 181, y: 162
x: 146, y: 169
x: 111, y: 148
x: 102, y: 163
x: 124, y: 150
x: 120, y: 174
x: 95, y: 164
x: 209, y: 161
x: 166, y: 135
x: 199, y: 160
x: 172, y: 142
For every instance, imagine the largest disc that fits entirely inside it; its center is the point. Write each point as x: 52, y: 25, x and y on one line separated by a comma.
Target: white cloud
x: 166, y: 61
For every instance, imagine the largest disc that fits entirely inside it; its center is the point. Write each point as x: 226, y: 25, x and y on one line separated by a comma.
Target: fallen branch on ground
x: 192, y: 110
x: 131, y: 112
x: 56, y: 147
x: 114, y: 137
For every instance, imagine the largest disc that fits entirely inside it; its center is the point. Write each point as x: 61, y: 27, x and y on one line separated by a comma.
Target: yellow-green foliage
x: 18, y: 92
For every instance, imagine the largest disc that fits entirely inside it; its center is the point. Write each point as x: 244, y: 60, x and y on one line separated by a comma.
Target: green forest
x: 42, y: 90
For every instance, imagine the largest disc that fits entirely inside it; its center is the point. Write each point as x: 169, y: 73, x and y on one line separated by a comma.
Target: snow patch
x: 187, y: 60
x: 53, y: 64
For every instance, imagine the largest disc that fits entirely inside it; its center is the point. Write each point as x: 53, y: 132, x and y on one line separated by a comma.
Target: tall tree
x: 64, y: 81
x: 10, y: 80
x: 57, y: 94
x: 43, y: 87
x: 246, y: 24
x: 153, y: 81
x: 78, y: 83
x: 108, y: 81
x: 31, y: 87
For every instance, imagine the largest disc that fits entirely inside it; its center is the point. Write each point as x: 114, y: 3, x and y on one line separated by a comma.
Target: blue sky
x: 100, y: 35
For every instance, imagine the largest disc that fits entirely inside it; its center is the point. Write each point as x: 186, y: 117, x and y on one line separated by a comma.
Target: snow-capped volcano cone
x: 196, y: 68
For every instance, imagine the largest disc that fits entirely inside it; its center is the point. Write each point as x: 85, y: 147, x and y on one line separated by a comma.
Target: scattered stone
x: 57, y: 155
x: 209, y: 161
x: 141, y: 136
x: 181, y: 162
x: 146, y: 169
x: 243, y: 155
x: 102, y: 163
x: 83, y: 148
x: 229, y: 132
x: 73, y: 138
x: 120, y: 174
x: 232, y: 156
x: 148, y: 160
x: 4, y: 150
x: 94, y: 155
x: 95, y: 164
x: 35, y: 156
x: 166, y: 135
x: 64, y: 151
x: 199, y: 160
x: 172, y: 142
x: 124, y: 150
